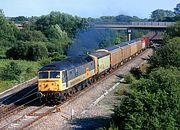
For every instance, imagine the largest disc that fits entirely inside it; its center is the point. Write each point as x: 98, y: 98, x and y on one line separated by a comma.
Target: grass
x: 29, y: 70
x: 4, y: 85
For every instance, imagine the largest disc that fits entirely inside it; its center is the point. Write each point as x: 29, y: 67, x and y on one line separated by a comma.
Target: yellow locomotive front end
x: 49, y: 85
x: 49, y: 81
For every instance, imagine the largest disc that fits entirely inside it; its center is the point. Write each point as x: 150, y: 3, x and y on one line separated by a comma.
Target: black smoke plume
x: 90, y: 40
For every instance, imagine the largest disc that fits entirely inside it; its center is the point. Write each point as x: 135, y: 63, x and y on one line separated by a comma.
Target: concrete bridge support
x: 129, y: 33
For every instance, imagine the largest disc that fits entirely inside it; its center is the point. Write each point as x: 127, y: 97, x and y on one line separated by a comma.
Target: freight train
x: 61, y: 79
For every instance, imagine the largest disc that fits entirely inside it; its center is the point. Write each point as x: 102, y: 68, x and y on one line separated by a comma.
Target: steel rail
x: 9, y: 110
x: 8, y: 107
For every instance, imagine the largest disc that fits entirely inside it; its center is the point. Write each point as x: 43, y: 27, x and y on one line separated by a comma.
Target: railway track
x: 14, y: 97
x: 28, y: 119
x: 18, y: 105
x: 9, y: 110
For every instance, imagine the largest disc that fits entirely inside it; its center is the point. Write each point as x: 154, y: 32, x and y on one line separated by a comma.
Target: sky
x: 85, y: 8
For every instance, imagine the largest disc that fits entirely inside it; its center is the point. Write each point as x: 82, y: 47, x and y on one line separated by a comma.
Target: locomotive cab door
x: 64, y: 80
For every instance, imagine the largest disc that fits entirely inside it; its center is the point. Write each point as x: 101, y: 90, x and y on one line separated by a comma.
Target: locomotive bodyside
x: 80, y: 73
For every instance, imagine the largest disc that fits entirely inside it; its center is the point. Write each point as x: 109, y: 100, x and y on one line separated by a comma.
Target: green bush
x: 129, y: 78
x: 28, y: 51
x: 45, y: 61
x: 136, y: 72
x: 36, y: 52
x: 143, y: 110
x: 111, y: 127
x: 152, y: 103
x: 12, y: 71
x: 19, y: 51
x: 28, y: 71
x: 167, y: 55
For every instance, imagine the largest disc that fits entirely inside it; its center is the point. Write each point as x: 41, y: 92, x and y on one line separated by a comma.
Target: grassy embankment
x: 29, y: 70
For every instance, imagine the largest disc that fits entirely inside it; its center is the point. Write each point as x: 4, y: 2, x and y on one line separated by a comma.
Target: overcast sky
x: 85, y: 8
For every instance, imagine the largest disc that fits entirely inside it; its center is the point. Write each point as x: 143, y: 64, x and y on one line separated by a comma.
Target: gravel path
x: 88, y: 115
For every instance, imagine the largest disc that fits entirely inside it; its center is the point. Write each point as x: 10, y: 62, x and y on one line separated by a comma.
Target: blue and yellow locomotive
x: 61, y: 79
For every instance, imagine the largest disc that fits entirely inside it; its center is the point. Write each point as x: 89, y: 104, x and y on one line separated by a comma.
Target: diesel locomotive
x: 61, y: 79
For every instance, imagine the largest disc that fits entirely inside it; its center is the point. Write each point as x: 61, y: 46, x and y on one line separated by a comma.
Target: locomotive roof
x: 99, y: 54
x: 67, y: 64
x: 111, y: 48
x: 122, y: 44
x: 133, y: 41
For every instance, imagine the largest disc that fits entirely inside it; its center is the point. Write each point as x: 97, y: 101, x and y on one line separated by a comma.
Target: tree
x: 19, y: 51
x: 1, y: 13
x: 66, y: 22
x: 167, y: 55
x: 27, y: 51
x: 152, y: 103
x: 11, y: 72
x: 8, y: 31
x: 107, y: 19
x: 174, y: 31
x: 177, y: 9
x: 55, y: 33
x: 160, y: 14
x: 28, y: 35
x: 36, y: 52
x: 19, y: 19
x: 125, y: 18
x: 58, y: 38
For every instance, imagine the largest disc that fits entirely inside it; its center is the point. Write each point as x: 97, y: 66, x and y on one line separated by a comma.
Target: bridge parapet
x: 134, y: 25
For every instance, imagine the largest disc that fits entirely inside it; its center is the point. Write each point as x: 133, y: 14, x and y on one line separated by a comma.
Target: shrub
x: 44, y: 61
x: 129, y: 78
x: 36, y: 52
x: 168, y: 55
x: 27, y: 51
x: 12, y: 71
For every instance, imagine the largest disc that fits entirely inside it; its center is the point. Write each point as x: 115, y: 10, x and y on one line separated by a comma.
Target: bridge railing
x: 153, y: 23
x: 137, y: 23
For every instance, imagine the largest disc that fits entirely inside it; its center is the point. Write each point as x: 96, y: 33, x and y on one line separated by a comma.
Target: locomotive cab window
x: 54, y: 74
x: 43, y: 75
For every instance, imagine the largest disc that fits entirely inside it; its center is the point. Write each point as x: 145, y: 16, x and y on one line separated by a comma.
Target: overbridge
x: 129, y: 26
x: 134, y: 25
